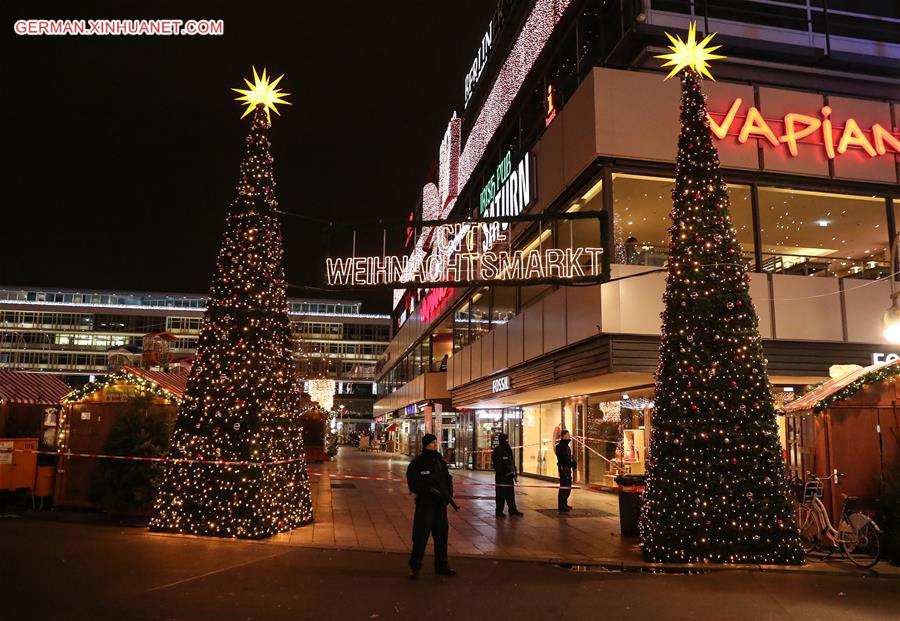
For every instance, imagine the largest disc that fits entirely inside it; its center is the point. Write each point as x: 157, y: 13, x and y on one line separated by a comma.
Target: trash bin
x: 631, y: 486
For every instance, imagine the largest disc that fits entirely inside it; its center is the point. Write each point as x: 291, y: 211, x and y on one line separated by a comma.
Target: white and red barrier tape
x: 223, y: 462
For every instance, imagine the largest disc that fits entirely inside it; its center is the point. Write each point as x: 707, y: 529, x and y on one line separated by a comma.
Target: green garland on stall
x: 148, y: 386
x: 850, y: 389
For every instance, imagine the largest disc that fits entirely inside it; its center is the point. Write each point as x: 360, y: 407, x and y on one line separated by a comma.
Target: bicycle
x: 857, y: 534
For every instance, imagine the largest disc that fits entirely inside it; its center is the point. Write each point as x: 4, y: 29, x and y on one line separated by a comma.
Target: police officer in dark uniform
x: 566, y: 464
x: 505, y: 476
x: 428, y: 477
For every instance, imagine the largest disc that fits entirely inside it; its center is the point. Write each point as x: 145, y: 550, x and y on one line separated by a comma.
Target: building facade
x: 805, y: 114
x: 71, y: 332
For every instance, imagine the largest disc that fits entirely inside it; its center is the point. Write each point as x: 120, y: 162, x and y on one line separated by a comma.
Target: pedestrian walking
x: 428, y: 477
x: 505, y: 476
x: 566, y: 465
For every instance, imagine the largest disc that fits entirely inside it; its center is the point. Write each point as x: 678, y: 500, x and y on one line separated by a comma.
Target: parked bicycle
x: 857, y: 534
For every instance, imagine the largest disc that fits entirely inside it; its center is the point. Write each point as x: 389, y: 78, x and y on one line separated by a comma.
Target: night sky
x: 124, y: 151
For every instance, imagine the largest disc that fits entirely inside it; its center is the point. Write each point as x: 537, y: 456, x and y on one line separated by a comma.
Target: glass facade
x: 541, y: 427
x: 641, y: 206
x: 821, y: 234
x: 800, y: 232
x: 610, y: 435
x: 36, y: 334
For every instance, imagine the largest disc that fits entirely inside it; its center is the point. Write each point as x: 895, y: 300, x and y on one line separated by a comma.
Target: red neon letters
x: 433, y: 302
x: 802, y: 127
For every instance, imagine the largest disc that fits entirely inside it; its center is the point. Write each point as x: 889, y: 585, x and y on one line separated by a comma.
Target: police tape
x: 517, y: 446
x: 362, y: 477
x: 227, y: 462
x: 580, y: 440
x: 172, y: 460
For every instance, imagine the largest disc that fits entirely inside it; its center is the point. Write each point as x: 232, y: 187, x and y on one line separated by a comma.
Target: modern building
x: 78, y: 333
x: 568, y: 94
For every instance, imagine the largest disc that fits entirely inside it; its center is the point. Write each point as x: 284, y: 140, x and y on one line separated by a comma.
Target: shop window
x: 480, y: 313
x: 512, y: 423
x: 641, y: 219
x: 541, y: 427
x: 461, y: 327
x: 818, y: 234
x: 582, y: 233
x: 426, y: 356
x: 542, y: 239
x: 602, y: 432
x: 416, y: 356
x: 503, y: 306
x: 488, y: 427
x: 617, y: 437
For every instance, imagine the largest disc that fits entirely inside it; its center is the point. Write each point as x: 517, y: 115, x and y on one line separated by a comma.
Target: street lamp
x: 890, y: 321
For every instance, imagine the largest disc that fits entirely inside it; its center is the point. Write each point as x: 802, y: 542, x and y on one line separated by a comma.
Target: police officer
x: 428, y: 477
x: 566, y: 465
x: 505, y: 476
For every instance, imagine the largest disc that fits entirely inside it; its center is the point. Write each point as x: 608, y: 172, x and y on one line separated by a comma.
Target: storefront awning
x: 391, y: 427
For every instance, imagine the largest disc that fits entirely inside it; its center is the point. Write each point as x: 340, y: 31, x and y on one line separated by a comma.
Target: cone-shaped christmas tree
x: 716, y: 489
x: 238, y: 429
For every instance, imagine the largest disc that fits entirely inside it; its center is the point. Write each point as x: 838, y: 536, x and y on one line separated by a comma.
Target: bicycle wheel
x: 865, y: 549
x: 809, y: 528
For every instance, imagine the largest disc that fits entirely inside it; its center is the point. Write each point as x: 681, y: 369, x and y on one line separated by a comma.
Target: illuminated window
x: 641, y: 219
x: 583, y: 233
x: 461, y: 327
x: 480, y: 316
x: 541, y: 426
x: 819, y: 234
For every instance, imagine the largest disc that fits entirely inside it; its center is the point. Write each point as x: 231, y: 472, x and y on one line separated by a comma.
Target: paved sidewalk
x: 377, y: 516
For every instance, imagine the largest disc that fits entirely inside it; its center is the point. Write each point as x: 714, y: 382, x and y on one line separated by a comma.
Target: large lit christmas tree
x: 238, y: 428
x: 716, y: 488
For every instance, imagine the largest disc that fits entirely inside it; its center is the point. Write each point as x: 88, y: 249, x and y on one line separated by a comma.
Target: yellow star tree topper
x: 261, y: 91
x: 690, y: 54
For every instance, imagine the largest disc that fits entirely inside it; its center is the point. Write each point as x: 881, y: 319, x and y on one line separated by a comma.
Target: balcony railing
x: 855, y: 26
x: 775, y: 263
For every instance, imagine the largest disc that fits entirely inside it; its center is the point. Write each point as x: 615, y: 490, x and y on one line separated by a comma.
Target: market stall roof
x: 172, y: 385
x: 31, y: 388
x: 839, y: 388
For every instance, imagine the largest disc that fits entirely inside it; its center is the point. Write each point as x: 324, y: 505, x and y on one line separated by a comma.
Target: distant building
x: 87, y: 333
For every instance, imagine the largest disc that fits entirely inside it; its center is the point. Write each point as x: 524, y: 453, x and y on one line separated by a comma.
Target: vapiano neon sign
x: 795, y: 129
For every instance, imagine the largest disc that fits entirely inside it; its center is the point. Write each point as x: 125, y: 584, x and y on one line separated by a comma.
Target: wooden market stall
x: 848, y: 424
x: 89, y: 414
x: 29, y: 411
x: 25, y: 399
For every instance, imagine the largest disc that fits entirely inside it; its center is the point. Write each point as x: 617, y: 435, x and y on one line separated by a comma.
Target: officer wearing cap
x: 505, y: 476
x: 428, y: 477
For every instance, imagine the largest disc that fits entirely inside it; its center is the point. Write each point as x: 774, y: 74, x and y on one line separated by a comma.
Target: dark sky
x: 124, y: 151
